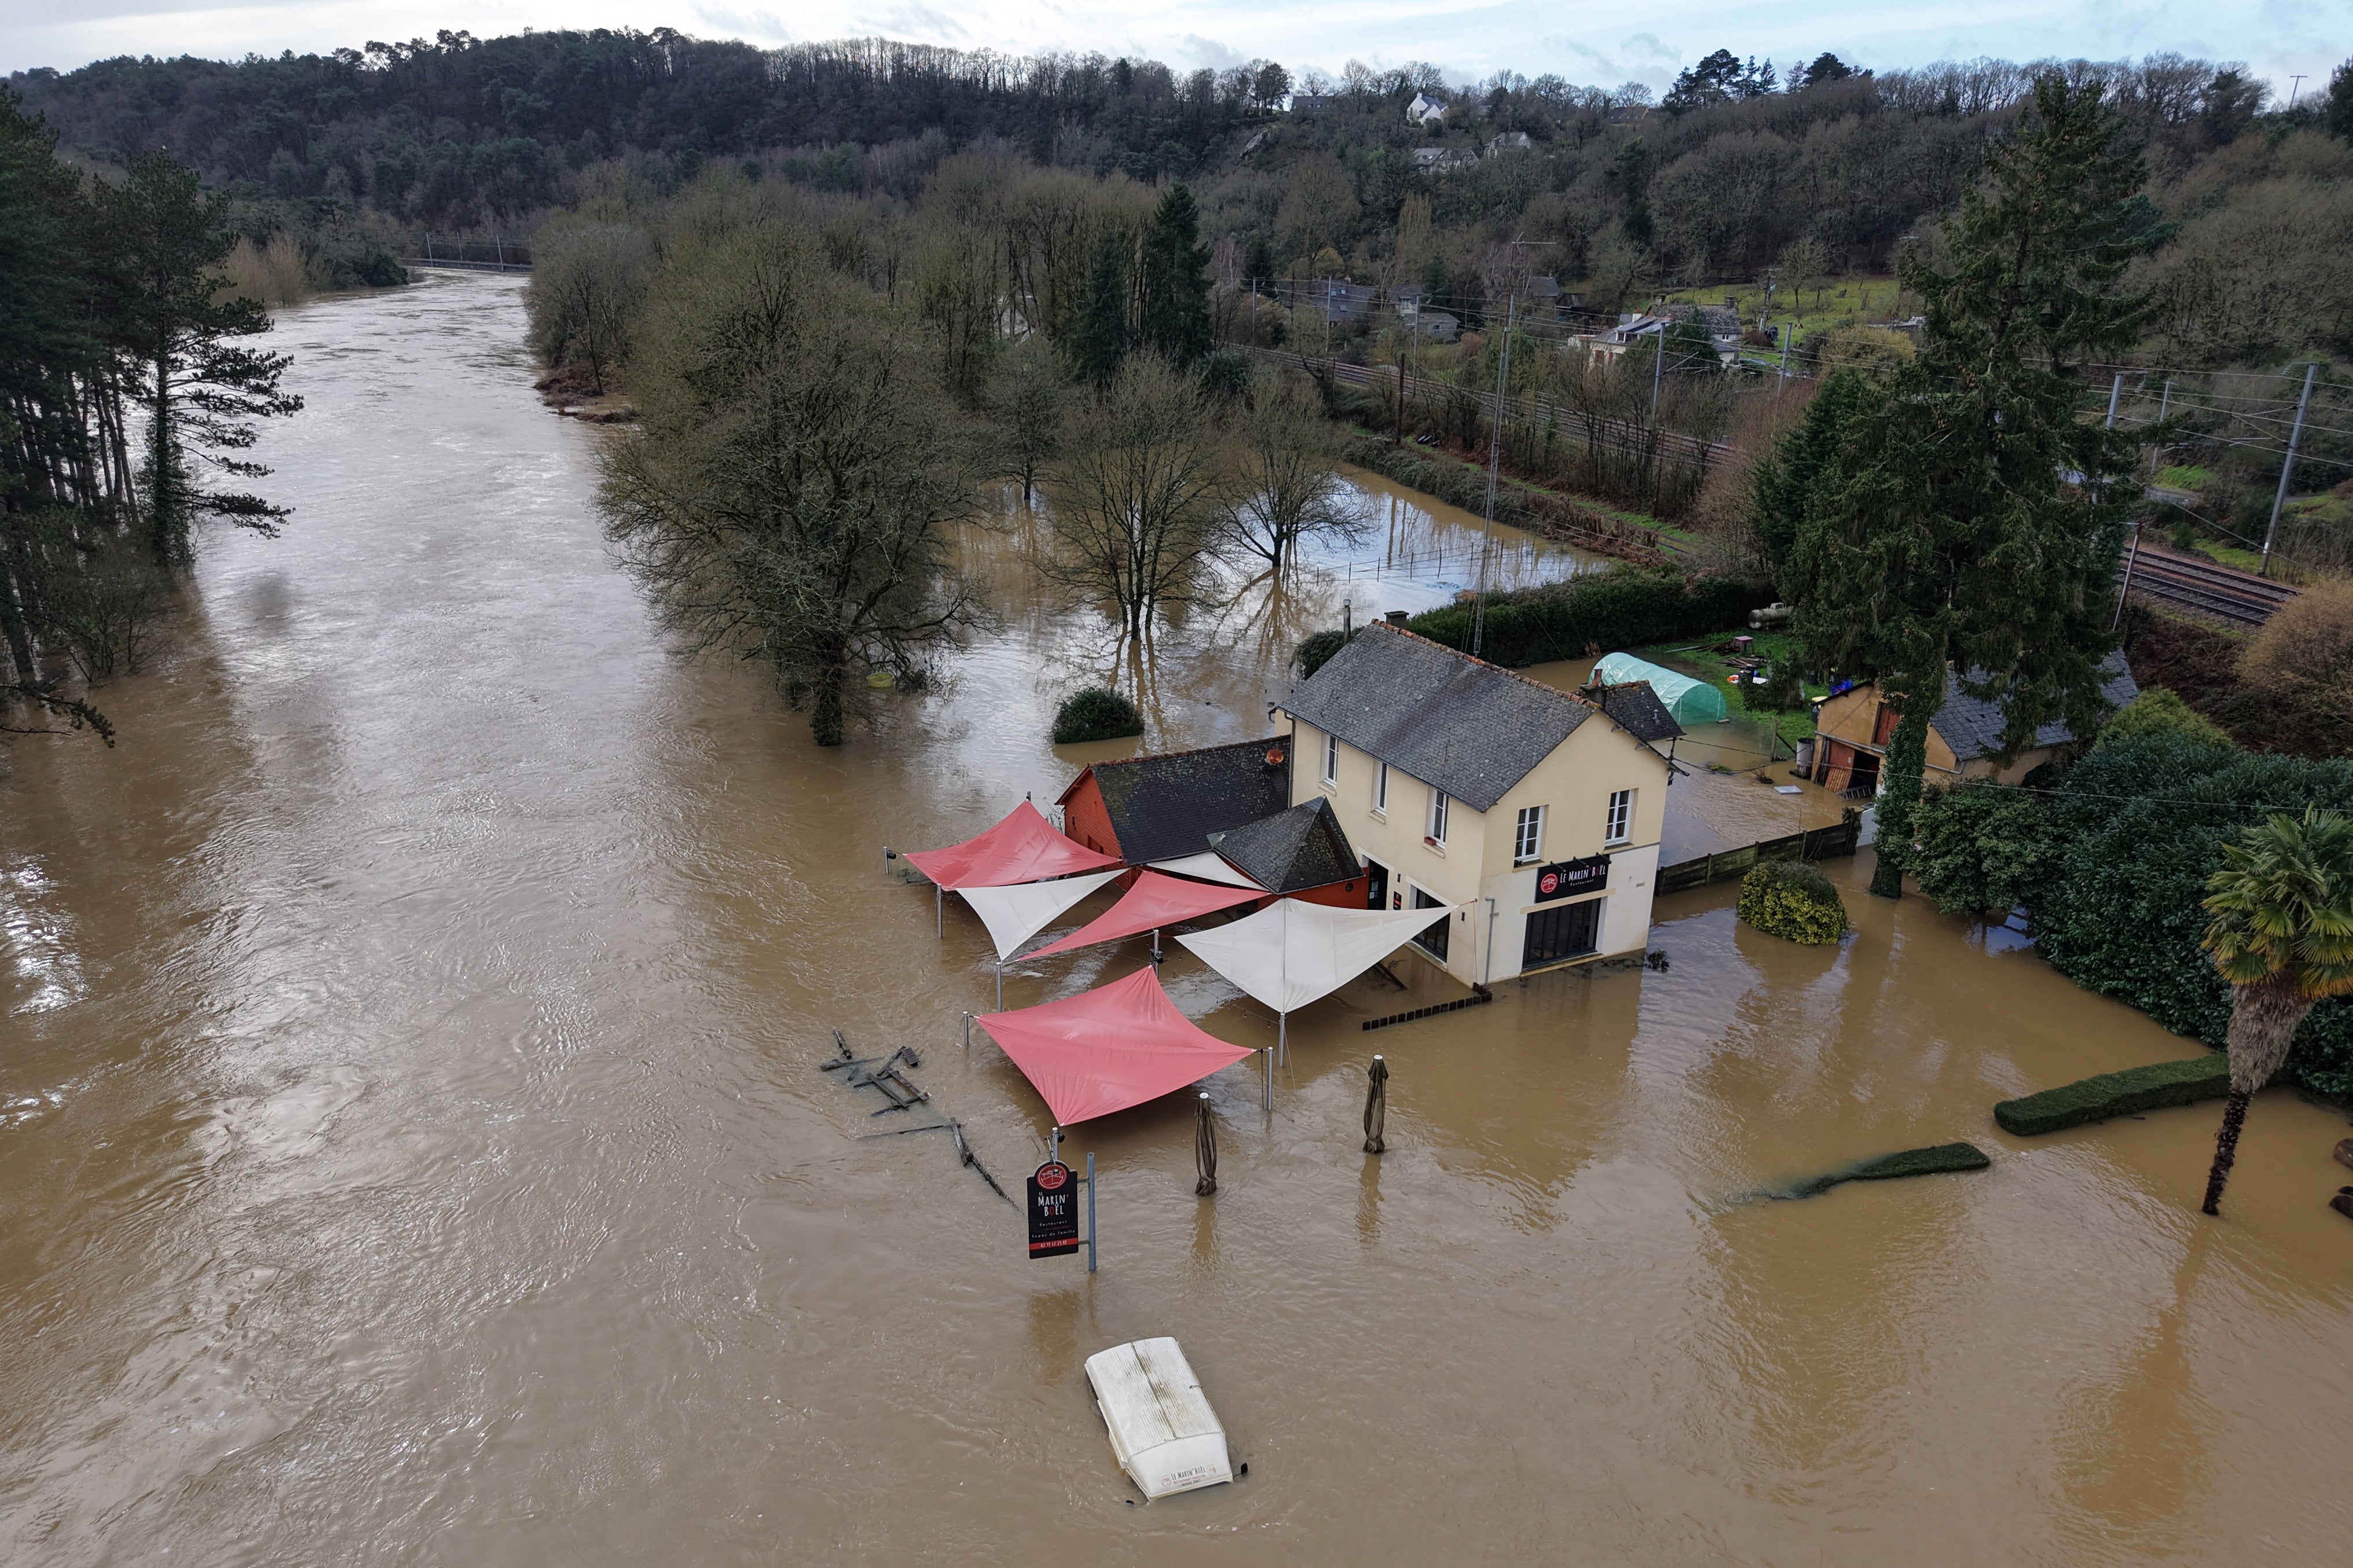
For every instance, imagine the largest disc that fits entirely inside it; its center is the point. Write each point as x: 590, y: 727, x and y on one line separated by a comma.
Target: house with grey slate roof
x: 1531, y: 814
x: 1854, y: 728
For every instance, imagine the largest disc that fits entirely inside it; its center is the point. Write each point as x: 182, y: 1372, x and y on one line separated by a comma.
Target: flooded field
x: 416, y: 1150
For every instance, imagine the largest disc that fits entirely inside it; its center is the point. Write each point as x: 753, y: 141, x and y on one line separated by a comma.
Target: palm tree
x: 2283, y: 936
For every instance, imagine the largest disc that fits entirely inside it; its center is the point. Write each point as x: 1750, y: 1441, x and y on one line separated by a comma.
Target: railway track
x: 2206, y: 587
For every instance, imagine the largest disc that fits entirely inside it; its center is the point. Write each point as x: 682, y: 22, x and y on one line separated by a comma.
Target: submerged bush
x: 1095, y: 714
x: 1789, y: 898
x: 1982, y: 845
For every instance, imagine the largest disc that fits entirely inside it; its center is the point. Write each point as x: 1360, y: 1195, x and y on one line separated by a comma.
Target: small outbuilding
x: 1853, y: 727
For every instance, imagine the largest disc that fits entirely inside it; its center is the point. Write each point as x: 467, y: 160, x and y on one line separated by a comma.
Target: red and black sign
x: 1567, y: 879
x: 1053, y: 1211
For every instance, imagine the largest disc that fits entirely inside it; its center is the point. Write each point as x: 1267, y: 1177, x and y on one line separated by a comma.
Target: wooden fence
x: 1818, y: 844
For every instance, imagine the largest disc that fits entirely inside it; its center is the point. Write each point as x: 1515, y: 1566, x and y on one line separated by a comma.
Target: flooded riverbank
x: 416, y: 1147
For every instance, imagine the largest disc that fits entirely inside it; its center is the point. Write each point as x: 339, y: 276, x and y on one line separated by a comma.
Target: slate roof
x: 1292, y: 851
x: 1637, y: 710
x: 1471, y: 728
x: 1167, y: 805
x: 1972, y: 726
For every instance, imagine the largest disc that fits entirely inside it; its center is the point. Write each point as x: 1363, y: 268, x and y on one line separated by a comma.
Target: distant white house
x: 1510, y: 142
x: 1425, y: 109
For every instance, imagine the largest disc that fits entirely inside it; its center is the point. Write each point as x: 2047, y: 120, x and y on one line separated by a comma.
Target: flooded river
x: 414, y: 1148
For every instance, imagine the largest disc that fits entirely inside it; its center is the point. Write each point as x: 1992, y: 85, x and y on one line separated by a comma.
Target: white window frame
x: 1331, y: 759
x: 1619, y: 827
x: 1527, y: 836
x: 1438, y: 806
x: 1380, y: 789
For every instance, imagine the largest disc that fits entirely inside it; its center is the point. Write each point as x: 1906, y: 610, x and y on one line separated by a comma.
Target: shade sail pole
x: 940, y: 909
x: 1000, y: 985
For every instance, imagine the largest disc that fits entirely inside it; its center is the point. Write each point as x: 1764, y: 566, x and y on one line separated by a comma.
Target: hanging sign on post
x: 1053, y: 1211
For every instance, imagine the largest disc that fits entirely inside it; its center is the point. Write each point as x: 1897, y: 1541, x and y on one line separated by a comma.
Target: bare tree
x: 586, y: 286
x: 789, y: 495
x: 1286, y: 485
x: 1137, y: 498
x: 1026, y: 395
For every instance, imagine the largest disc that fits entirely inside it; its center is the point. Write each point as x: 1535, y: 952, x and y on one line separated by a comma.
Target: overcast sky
x: 1586, y: 43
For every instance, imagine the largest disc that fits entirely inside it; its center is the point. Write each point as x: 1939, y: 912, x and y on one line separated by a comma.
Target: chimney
x: 1399, y: 617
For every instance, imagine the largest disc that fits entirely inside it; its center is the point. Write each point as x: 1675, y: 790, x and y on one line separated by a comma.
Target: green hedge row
x: 2139, y: 825
x: 2125, y: 1093
x: 1934, y: 1160
x: 1618, y: 608
x: 1464, y: 485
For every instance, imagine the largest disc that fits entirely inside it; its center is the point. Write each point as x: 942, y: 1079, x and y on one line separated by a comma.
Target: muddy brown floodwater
x: 415, y: 1150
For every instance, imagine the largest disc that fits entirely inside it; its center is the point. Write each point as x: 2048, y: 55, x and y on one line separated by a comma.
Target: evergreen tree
x: 1970, y: 520
x: 202, y: 388
x: 1176, y: 280
x: 1785, y: 482
x: 2337, y: 110
x: 1099, y: 341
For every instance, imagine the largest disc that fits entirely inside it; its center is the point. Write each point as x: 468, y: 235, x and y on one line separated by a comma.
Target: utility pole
x: 2287, y: 467
x: 2295, y: 87
x: 1782, y: 379
x: 1658, y: 368
x: 1494, y: 459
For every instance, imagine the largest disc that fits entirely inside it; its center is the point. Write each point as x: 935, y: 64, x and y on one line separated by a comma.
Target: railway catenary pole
x: 2287, y: 467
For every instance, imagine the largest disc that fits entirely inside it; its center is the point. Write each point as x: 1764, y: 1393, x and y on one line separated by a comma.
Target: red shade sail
x: 1106, y: 1049
x: 1154, y: 901
x: 1024, y: 847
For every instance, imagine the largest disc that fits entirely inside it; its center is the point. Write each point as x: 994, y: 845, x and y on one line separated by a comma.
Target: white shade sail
x: 1015, y: 914
x: 1290, y: 953
x: 1207, y: 867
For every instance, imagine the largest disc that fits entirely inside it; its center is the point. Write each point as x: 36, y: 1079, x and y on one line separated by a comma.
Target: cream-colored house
x: 1462, y: 783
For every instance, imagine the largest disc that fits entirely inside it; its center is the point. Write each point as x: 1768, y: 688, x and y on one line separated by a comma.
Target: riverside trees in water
x: 125, y: 386
x: 819, y: 414
x: 788, y: 496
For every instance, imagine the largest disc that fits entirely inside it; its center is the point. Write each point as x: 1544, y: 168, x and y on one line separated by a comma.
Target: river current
x: 415, y: 1150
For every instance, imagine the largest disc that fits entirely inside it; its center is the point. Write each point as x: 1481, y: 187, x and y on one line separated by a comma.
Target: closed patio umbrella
x: 1205, y: 1149
x: 1377, y: 1107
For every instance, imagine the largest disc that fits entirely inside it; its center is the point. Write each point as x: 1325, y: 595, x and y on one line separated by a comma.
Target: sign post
x: 1053, y: 1217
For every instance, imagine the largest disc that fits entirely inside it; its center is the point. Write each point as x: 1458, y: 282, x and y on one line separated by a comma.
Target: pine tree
x: 203, y: 390
x: 1970, y: 520
x: 1099, y: 341
x: 1176, y: 280
x: 1785, y: 482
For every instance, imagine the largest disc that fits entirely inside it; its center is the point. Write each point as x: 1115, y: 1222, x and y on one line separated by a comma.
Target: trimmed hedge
x: 2125, y: 1093
x: 2140, y: 825
x: 1791, y: 900
x: 1934, y: 1160
x: 1095, y: 714
x: 1620, y: 606
x: 1464, y: 485
x: 1316, y: 649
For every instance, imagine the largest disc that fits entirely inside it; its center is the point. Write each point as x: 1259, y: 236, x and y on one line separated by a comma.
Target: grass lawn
x: 1692, y: 656
x: 1842, y: 302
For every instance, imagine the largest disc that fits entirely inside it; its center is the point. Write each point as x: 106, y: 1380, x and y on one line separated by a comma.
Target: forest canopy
x: 1736, y: 166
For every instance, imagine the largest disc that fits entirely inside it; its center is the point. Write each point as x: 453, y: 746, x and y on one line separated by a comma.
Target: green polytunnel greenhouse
x: 1691, y: 701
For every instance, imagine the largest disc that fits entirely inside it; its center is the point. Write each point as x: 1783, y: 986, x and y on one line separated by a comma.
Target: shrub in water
x: 1095, y: 714
x: 1789, y: 898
